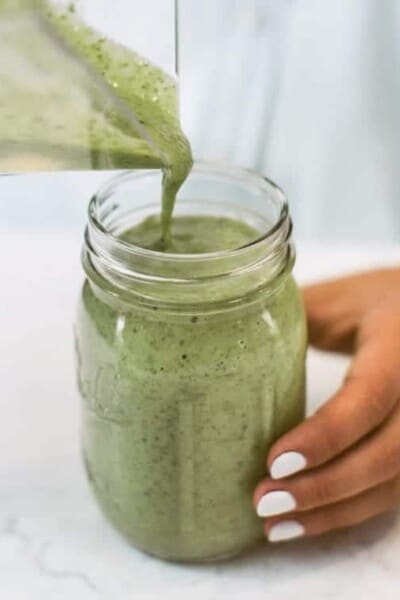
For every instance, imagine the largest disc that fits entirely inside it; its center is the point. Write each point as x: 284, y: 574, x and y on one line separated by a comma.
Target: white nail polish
x: 286, y: 464
x: 286, y: 530
x: 275, y: 503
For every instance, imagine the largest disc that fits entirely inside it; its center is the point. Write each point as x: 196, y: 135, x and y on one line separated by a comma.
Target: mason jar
x: 189, y: 366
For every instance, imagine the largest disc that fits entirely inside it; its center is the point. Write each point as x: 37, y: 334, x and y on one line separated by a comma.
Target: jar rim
x: 218, y: 168
x: 175, y: 280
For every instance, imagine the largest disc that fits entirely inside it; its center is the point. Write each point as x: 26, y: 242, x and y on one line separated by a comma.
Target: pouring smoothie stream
x: 190, y: 334
x: 73, y: 99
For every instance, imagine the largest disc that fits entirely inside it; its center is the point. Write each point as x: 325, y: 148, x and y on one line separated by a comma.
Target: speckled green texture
x: 72, y: 99
x: 179, y: 414
x: 193, y: 234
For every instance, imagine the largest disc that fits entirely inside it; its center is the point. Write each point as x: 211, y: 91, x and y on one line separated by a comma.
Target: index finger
x: 367, y: 396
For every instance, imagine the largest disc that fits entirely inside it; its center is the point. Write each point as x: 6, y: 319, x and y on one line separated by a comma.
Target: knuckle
x: 331, y: 434
x: 323, y: 491
x: 371, y: 395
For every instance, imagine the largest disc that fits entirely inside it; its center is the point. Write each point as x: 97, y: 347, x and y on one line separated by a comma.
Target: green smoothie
x: 72, y: 99
x: 193, y: 234
x: 180, y: 410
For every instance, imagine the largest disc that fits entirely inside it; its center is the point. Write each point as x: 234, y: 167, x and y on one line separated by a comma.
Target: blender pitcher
x: 75, y: 88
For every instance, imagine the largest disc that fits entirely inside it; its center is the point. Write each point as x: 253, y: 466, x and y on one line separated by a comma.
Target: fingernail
x: 275, y: 503
x: 286, y: 464
x: 285, y: 530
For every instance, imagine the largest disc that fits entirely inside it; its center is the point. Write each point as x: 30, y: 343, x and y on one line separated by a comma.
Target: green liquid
x: 193, y: 235
x: 72, y: 99
x: 179, y: 411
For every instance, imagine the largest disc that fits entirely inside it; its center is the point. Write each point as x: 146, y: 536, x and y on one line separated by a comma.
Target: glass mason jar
x: 189, y: 366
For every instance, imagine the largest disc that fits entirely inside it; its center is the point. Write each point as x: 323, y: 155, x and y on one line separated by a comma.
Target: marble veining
x: 48, y: 571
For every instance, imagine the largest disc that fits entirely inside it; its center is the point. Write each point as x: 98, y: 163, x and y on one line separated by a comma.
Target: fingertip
x: 282, y: 530
x: 288, y: 455
x: 287, y: 464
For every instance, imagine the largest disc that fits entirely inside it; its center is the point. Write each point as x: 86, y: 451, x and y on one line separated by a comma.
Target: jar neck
x: 194, y: 282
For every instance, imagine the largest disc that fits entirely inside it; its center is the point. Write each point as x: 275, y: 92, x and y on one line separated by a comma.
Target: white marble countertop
x: 54, y: 543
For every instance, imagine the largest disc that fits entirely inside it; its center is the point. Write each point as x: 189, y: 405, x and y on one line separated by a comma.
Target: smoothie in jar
x: 191, y: 363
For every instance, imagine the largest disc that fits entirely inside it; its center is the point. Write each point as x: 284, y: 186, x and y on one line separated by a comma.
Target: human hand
x: 341, y: 466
